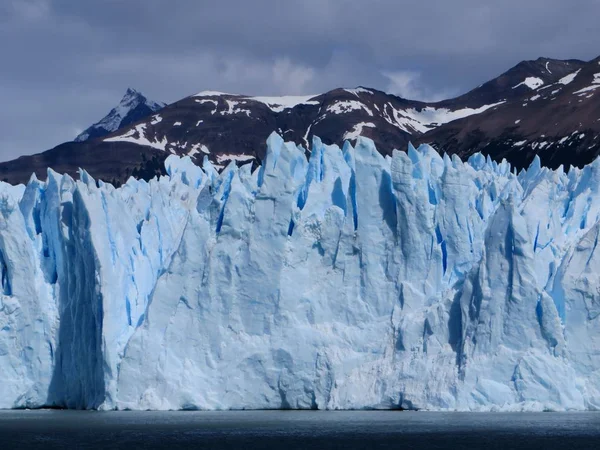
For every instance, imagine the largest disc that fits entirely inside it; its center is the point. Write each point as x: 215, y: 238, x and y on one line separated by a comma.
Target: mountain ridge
x: 537, y: 107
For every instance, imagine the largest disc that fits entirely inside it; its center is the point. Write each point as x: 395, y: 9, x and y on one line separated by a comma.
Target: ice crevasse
x: 349, y: 280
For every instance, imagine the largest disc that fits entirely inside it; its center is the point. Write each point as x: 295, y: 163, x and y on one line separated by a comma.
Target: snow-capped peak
x: 132, y: 98
x: 132, y: 107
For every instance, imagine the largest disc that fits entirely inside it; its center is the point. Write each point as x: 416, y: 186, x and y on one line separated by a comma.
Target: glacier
x: 347, y: 280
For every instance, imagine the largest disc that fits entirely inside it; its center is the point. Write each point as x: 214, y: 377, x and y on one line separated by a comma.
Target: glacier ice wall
x: 349, y: 280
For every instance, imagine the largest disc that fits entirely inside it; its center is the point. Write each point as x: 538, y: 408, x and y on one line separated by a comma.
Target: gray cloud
x: 65, y: 63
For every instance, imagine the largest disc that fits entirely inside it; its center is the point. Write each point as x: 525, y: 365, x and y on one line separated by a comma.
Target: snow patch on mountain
x: 427, y: 118
x: 137, y: 135
x: 196, y: 149
x: 359, y: 90
x: 232, y: 108
x: 357, y: 131
x: 595, y: 85
x: 213, y: 94
x: 279, y: 104
x: 567, y: 79
x: 346, y: 106
x: 213, y: 102
x: 276, y: 104
x: 531, y: 82
x: 238, y: 157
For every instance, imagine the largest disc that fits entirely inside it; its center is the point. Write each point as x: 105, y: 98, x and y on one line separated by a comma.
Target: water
x: 298, y: 430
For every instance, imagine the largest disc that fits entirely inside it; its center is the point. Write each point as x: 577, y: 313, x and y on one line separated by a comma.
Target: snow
x: 595, y: 85
x: 358, y: 91
x: 232, y: 108
x: 156, y: 119
x: 587, y: 89
x: 203, y: 101
x: 520, y: 143
x: 531, y: 82
x: 535, y: 97
x: 346, y: 106
x: 213, y: 94
x: 139, y: 130
x: 225, y: 157
x: 197, y: 148
x: 517, y: 121
x: 429, y: 117
x: 199, y: 122
x: 279, y: 104
x: 569, y: 78
x: 547, y: 69
x: 350, y: 280
x: 214, y: 102
x: 357, y: 130
x: 177, y: 124
x: 276, y: 104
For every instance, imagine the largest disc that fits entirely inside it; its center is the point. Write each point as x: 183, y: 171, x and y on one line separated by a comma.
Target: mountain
x: 133, y: 107
x: 557, y: 117
x: 229, y: 127
x: 110, y: 162
x: 226, y: 127
x: 348, y: 281
x: 546, y: 107
x: 519, y: 81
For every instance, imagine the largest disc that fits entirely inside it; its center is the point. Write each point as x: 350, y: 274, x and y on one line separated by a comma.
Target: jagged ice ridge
x: 348, y: 281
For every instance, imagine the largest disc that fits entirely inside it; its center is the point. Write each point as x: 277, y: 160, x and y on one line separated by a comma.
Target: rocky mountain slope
x: 546, y: 107
x: 556, y: 117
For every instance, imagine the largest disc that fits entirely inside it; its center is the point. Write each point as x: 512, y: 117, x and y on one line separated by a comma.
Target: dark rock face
x: 545, y: 107
x: 113, y: 163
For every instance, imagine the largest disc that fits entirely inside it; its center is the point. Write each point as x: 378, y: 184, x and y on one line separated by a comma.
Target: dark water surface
x: 298, y: 430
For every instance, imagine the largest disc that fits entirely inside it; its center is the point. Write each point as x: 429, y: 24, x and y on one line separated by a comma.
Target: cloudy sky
x: 66, y: 63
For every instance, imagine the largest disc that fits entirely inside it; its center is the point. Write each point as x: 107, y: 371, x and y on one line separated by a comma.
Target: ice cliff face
x: 347, y: 281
